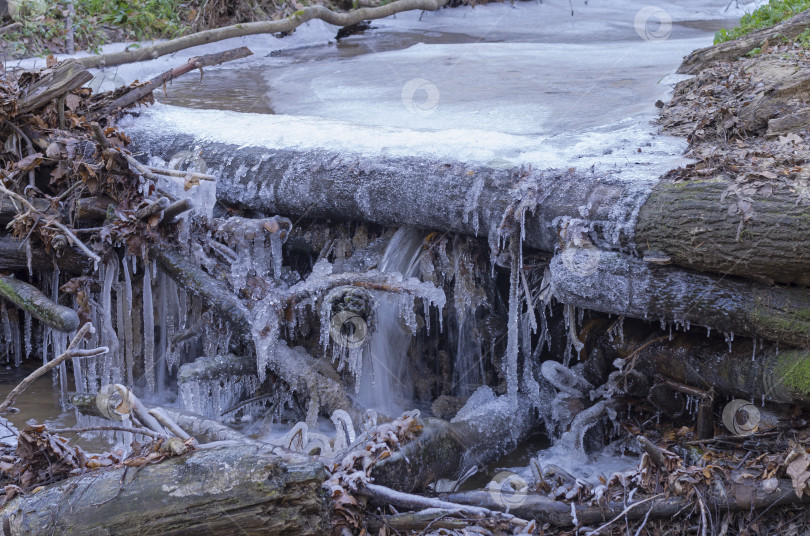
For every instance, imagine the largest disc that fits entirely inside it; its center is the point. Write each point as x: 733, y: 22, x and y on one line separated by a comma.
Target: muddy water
x: 40, y: 404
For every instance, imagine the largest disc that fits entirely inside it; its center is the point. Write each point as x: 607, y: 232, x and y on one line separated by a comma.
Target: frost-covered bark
x: 696, y: 224
x: 629, y: 287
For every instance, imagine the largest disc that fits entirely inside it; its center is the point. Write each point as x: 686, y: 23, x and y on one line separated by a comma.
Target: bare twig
x: 621, y: 515
x: 70, y: 352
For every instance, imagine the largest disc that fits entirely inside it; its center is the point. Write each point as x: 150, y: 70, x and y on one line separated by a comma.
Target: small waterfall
x: 385, y: 384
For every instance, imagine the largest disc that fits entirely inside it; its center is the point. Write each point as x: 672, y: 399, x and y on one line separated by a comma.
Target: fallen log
x: 731, y: 50
x: 625, y: 286
x: 239, y: 490
x: 9, y: 209
x: 690, y: 224
x: 13, y: 256
x: 30, y: 299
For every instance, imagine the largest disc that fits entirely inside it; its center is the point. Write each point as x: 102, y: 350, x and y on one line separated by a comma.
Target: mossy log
x: 234, y: 490
x: 742, y: 368
x: 731, y: 50
x: 625, y: 286
x: 30, y: 299
x: 696, y: 224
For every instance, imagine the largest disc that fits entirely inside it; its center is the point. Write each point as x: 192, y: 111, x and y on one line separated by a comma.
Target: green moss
x: 766, y: 16
x: 793, y: 371
x: 796, y: 323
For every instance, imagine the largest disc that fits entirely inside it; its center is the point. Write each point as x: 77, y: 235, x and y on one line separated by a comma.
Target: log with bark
x: 13, y: 256
x: 625, y: 286
x: 32, y: 300
x: 232, y: 490
x: 728, y: 497
x: 690, y: 223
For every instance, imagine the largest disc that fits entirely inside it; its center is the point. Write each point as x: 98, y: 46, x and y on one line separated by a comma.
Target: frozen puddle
x: 498, y: 84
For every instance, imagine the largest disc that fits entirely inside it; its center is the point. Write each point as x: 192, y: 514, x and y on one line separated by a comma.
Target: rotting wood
x: 63, y: 78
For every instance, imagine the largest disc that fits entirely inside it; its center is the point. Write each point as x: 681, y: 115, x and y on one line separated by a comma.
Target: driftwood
x: 731, y: 50
x: 629, y: 287
x: 239, y: 490
x: 62, y: 79
x: 261, y: 27
x: 30, y: 299
x: 689, y: 224
x: 136, y: 94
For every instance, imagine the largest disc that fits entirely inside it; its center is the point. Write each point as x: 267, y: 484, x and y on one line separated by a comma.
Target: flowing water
x: 385, y: 384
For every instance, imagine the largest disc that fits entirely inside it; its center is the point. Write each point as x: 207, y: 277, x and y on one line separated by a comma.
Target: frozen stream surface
x: 500, y: 84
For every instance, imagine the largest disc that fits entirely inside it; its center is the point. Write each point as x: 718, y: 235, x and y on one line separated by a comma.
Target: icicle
x: 570, y: 315
x: 148, y: 332
x: 109, y: 338
x: 275, y: 251
x: 28, y: 335
x: 128, y: 312
x: 512, y: 325
x: 6, y: 327
x: 259, y: 253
